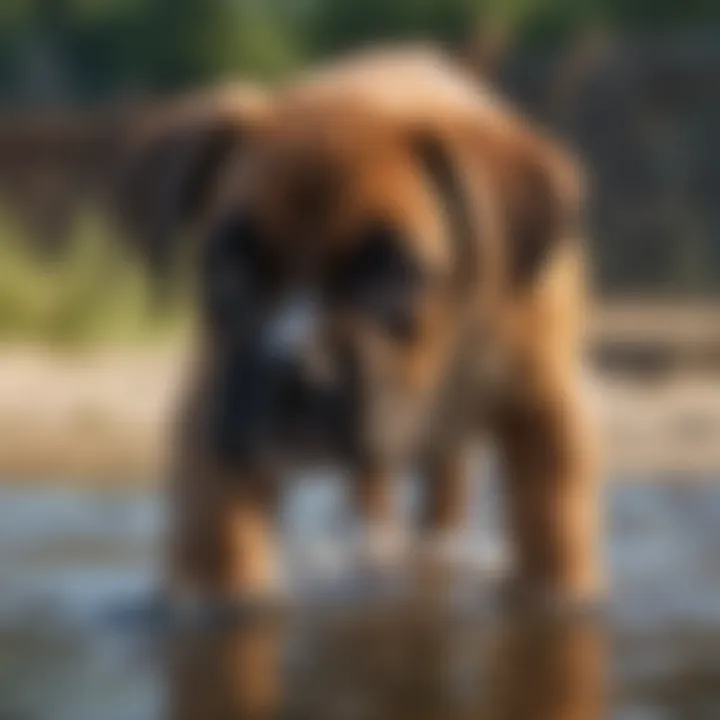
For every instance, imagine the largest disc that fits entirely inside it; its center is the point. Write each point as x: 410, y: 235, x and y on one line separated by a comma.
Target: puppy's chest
x: 481, y: 381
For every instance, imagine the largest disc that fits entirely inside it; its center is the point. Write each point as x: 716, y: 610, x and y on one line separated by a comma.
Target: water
x: 69, y: 559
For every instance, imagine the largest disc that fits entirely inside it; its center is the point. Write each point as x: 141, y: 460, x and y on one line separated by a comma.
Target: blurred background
x: 92, y: 340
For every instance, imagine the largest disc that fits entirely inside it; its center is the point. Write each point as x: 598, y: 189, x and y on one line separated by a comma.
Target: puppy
x: 389, y: 264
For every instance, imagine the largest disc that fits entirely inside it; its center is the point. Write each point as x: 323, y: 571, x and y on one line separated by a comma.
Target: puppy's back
x: 415, y: 81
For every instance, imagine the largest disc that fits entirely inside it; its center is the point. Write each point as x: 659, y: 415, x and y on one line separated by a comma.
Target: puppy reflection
x: 224, y: 673
x: 394, y: 665
x: 547, y: 670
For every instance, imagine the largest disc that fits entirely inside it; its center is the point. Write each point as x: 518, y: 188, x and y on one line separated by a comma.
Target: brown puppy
x: 389, y: 263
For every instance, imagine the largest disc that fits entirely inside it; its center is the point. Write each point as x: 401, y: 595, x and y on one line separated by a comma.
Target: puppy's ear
x: 171, y: 164
x: 540, y: 196
x: 441, y: 167
x: 497, y: 176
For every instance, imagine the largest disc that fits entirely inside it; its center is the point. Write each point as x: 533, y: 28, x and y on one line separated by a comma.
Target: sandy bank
x: 103, y: 417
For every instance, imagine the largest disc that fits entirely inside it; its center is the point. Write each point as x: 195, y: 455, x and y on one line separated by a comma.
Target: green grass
x: 96, y: 293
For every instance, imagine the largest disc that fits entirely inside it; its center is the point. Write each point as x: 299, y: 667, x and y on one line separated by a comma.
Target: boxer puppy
x: 389, y: 264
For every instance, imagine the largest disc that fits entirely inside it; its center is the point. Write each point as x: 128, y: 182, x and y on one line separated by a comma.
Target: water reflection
x: 68, y: 560
x: 397, y: 664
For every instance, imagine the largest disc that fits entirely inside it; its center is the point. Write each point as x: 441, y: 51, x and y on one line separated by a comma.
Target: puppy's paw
x: 457, y: 552
x: 552, y: 599
x: 454, y: 570
x: 378, y: 567
x: 198, y: 609
x: 382, y: 548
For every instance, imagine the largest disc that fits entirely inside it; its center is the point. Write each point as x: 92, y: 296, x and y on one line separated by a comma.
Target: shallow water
x: 70, y: 558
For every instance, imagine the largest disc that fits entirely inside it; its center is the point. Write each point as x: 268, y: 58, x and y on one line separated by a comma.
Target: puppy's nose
x: 293, y: 328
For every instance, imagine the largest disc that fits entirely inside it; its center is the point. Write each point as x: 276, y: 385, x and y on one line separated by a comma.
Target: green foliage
x: 94, y: 293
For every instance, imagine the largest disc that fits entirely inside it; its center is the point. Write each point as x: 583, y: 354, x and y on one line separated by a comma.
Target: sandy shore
x: 103, y: 417
x: 98, y: 416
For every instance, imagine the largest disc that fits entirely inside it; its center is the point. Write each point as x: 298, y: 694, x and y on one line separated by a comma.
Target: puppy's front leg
x: 445, y: 500
x: 222, y: 539
x: 375, y: 498
x: 382, y: 538
x: 442, y: 555
x: 549, y: 462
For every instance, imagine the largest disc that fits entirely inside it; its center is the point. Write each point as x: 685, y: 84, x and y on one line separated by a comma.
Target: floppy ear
x: 456, y: 198
x: 494, y: 175
x: 171, y: 163
x: 540, y: 194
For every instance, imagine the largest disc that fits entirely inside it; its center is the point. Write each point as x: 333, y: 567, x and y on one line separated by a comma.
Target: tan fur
x: 357, y: 117
x: 446, y: 494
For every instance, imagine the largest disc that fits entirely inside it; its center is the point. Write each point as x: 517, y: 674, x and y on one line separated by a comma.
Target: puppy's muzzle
x: 270, y: 403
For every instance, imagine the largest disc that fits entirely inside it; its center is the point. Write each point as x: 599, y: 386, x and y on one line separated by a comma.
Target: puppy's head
x: 331, y: 293
x: 351, y: 249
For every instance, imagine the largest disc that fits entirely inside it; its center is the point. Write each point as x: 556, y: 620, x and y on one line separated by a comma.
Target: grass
x: 96, y: 293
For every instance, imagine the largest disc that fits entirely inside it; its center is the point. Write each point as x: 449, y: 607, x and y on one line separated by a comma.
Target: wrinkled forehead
x: 314, y: 188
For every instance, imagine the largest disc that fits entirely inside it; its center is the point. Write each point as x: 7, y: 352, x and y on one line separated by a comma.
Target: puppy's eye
x: 382, y: 280
x: 236, y: 269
